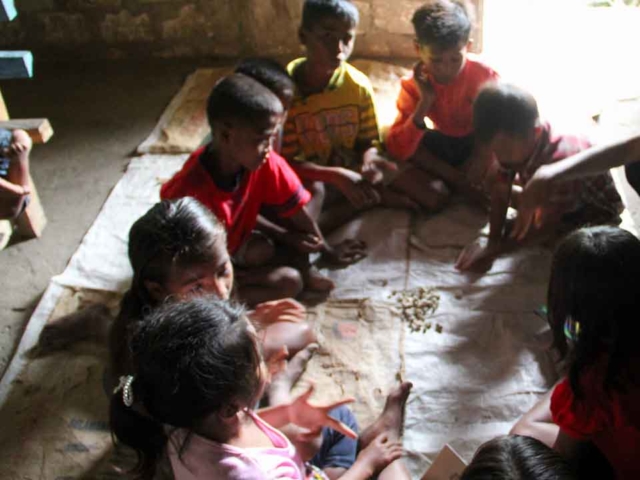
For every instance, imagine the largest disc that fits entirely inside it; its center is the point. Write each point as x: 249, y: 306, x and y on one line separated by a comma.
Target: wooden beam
x: 7, y: 10
x: 16, y: 64
x: 39, y: 129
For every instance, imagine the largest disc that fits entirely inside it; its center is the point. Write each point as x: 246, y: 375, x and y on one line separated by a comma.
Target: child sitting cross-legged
x: 237, y: 175
x: 331, y: 135
x: 198, y: 372
x: 507, y: 121
x: 442, y: 87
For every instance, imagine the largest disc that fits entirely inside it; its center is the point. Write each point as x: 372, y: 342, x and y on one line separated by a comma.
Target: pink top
x: 451, y: 112
x: 204, y: 459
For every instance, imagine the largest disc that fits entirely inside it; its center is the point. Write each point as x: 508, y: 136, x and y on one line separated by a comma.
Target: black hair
x: 239, y: 98
x: 502, y: 107
x: 172, y: 233
x: 315, y: 10
x: 190, y: 359
x: 593, y: 281
x: 443, y: 23
x: 515, y: 457
x: 271, y: 74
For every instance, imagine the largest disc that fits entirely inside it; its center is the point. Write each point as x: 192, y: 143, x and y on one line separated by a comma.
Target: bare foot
x: 391, y: 420
x: 316, y: 282
x: 279, y: 390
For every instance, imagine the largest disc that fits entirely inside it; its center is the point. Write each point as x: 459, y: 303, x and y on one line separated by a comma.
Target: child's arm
x: 479, y: 255
x: 351, y: 253
x: 588, y: 162
x: 415, y: 99
x: 18, y: 190
x: 350, y: 183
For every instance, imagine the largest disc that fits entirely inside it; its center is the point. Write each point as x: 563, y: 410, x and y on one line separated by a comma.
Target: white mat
x: 472, y: 381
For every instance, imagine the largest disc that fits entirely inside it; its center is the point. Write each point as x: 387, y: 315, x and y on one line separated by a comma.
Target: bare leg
x: 426, y: 190
x: 12, y: 204
x: 257, y: 285
x: 390, y: 422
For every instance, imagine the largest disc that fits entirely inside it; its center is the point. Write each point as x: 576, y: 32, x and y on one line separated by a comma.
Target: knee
x: 259, y: 251
x: 289, y: 282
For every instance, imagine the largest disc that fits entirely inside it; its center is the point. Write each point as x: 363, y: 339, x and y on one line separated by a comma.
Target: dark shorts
x: 453, y: 150
x: 337, y: 451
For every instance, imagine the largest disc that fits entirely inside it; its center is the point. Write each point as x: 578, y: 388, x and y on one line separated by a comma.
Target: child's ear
x: 227, y: 414
x: 469, y: 45
x: 156, y: 291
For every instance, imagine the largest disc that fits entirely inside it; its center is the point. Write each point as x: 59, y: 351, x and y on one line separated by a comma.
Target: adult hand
x: 477, y: 257
x: 347, y: 252
x: 313, y: 418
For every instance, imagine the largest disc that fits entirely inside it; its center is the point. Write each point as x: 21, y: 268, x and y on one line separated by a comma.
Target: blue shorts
x: 337, y: 451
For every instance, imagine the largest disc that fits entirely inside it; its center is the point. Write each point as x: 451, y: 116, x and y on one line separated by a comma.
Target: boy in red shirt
x: 442, y: 87
x: 236, y: 175
x: 507, y: 121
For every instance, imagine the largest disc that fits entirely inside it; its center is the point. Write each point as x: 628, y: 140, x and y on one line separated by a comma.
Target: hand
x: 477, y: 257
x: 313, y: 418
x: 535, y: 193
x: 374, y: 166
x: 378, y: 454
x: 284, y: 310
x: 303, y: 241
x: 347, y: 252
x: 421, y: 76
x: 359, y: 192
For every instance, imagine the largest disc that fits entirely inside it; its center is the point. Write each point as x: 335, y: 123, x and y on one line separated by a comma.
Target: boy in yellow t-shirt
x: 331, y: 134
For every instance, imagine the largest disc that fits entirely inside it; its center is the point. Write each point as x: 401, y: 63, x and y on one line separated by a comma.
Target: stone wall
x: 96, y: 29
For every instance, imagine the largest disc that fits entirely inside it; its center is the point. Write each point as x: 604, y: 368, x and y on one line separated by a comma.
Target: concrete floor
x: 100, y: 113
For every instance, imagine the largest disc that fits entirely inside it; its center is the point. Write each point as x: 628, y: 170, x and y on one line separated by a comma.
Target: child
x: 331, y: 133
x: 14, y: 173
x: 507, y: 121
x: 237, y: 174
x: 198, y: 374
x: 178, y: 250
x: 591, y: 299
x: 444, y: 83
x: 586, y: 163
x: 514, y: 457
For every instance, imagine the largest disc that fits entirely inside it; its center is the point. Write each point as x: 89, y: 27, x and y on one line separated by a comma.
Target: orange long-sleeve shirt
x: 451, y: 112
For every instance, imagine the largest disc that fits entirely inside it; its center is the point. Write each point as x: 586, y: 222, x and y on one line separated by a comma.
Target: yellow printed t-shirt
x: 332, y: 121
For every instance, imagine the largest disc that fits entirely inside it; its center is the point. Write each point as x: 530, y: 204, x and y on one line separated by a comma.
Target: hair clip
x: 571, y: 329
x: 127, y: 391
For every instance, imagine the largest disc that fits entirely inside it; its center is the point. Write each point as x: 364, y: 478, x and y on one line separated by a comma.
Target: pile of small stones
x: 416, y: 306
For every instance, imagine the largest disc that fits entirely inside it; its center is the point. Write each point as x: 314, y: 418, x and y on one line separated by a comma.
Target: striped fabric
x: 328, y: 128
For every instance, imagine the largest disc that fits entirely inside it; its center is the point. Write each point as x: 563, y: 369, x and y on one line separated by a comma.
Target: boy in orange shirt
x: 443, y: 86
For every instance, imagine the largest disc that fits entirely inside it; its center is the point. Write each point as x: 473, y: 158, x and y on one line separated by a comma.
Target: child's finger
x: 341, y: 427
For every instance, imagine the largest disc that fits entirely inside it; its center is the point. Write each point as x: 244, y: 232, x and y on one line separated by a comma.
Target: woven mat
x: 183, y: 125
